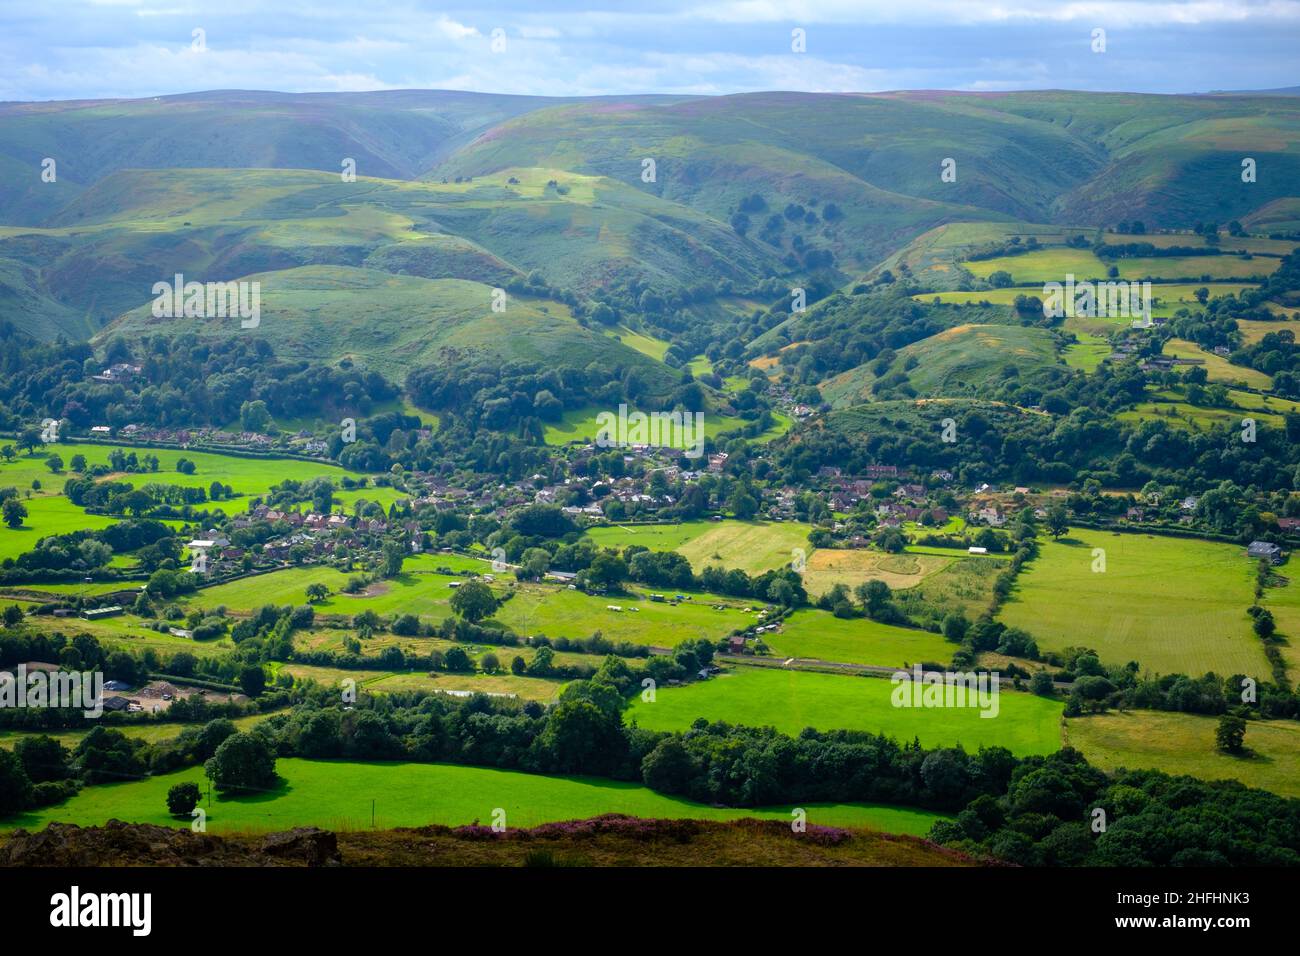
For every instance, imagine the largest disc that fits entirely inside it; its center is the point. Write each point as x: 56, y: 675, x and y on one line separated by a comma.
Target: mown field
x: 751, y: 546
x: 582, y: 424
x: 338, y: 795
x: 558, y: 612
x: 46, y: 515
x: 791, y: 700
x: 1184, y: 744
x: 828, y: 567
x: 1174, y: 605
x: 819, y: 635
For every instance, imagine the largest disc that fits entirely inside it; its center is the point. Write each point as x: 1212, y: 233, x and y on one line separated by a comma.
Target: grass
x: 46, y: 515
x: 152, y: 732
x: 1174, y: 605
x: 558, y: 612
x: 1088, y: 354
x: 1184, y: 744
x: 339, y: 794
x: 828, y: 567
x: 1053, y: 264
x: 1217, y: 368
x: 791, y: 700
x: 820, y: 635
x: 391, y: 682
x: 751, y: 546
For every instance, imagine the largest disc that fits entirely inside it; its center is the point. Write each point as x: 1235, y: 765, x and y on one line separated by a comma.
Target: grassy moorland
x: 791, y: 700
x: 1174, y: 605
x: 1184, y: 744
x: 338, y: 795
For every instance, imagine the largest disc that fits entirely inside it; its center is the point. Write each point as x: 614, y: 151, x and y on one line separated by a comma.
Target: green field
x: 417, y: 590
x: 46, y: 515
x: 1088, y: 353
x: 1174, y: 605
x: 338, y: 795
x: 791, y: 700
x: 1218, y: 369
x: 823, y: 636
x: 558, y: 612
x: 1055, y: 263
x: 1184, y: 744
x: 752, y: 546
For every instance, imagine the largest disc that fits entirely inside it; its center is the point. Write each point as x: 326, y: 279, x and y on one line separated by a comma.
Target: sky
x: 89, y: 49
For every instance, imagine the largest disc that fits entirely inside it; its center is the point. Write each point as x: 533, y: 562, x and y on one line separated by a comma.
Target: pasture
x: 1184, y: 744
x: 791, y: 700
x: 751, y: 546
x: 1174, y: 605
x: 1054, y: 263
x: 820, y: 635
x: 338, y: 795
x: 558, y: 612
x: 1218, y: 369
x: 46, y: 515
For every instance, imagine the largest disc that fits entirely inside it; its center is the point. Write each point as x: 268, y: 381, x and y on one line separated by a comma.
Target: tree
x: 54, y: 463
x: 14, y: 512
x: 183, y: 798
x: 1057, y: 521
x: 607, y: 570
x: 1230, y: 735
x: 252, y: 680
x: 15, y: 785
x: 394, y: 555
x: 242, y: 762
x: 474, y: 601
x: 317, y: 592
x: 78, y: 463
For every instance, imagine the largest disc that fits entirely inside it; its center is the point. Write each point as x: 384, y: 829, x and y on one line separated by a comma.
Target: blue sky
x: 73, y: 49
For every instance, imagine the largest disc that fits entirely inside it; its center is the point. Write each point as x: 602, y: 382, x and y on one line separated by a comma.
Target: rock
x: 309, y: 845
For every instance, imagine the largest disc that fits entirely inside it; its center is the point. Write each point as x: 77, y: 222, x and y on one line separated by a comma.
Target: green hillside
x: 393, y: 323
x: 964, y: 360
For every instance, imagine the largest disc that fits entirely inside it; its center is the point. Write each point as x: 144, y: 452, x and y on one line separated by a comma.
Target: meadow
x: 46, y: 515
x: 791, y: 700
x: 1054, y: 263
x: 1174, y: 605
x: 751, y: 546
x: 820, y: 635
x: 1217, y: 368
x: 558, y: 612
x: 339, y: 795
x: 1184, y: 744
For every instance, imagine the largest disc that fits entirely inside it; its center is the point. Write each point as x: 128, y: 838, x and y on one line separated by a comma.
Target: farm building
x: 1264, y: 549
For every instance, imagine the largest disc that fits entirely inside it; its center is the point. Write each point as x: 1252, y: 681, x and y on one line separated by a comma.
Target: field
x: 751, y: 546
x: 1218, y: 369
x: 1088, y: 354
x: 46, y: 515
x: 152, y: 732
x: 1169, y: 296
x: 1184, y: 744
x: 387, y: 682
x: 1055, y: 263
x: 558, y: 612
x: 791, y: 700
x: 820, y: 635
x: 338, y: 795
x: 828, y: 567
x: 417, y: 590
x: 1174, y: 605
